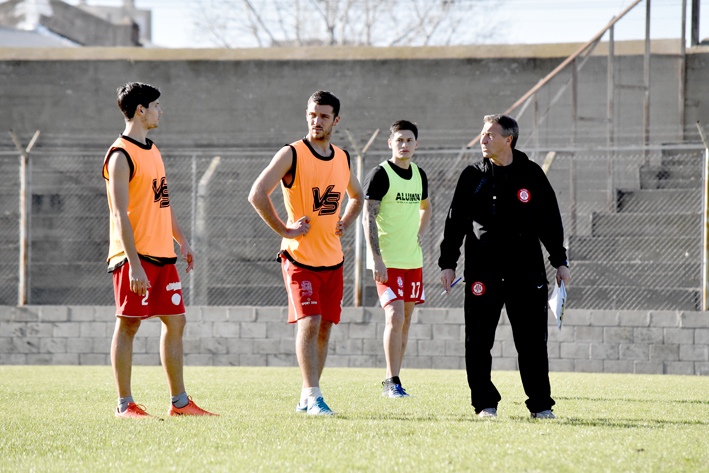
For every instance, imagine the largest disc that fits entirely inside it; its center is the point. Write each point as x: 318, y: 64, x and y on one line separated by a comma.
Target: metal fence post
x: 609, y: 116
x: 705, y: 236
x: 358, y: 292
x: 193, y: 213
x: 201, y: 236
x: 358, y: 268
x: 23, y: 285
x: 705, y: 220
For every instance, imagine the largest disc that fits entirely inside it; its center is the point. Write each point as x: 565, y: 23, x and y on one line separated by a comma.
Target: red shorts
x: 402, y: 284
x: 312, y: 292
x: 164, y: 297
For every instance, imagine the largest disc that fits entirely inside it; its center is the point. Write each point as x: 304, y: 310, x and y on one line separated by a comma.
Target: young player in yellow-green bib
x: 397, y: 211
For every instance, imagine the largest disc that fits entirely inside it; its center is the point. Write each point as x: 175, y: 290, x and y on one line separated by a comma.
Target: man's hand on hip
x: 297, y: 228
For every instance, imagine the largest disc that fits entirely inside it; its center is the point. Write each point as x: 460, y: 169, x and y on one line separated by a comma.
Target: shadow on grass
x: 648, y: 401
x: 409, y: 417
x: 617, y: 423
x: 624, y: 423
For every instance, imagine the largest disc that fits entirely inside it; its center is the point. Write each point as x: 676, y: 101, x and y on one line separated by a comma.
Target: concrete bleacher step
x: 76, y: 202
x: 670, y: 177
x: 8, y: 286
x: 75, y: 250
x: 241, y: 224
x: 9, y: 227
x: 662, y: 200
x: 60, y: 180
x: 674, y: 171
x: 48, y: 227
x: 677, y: 275
x: 226, y: 272
x: 246, y: 249
x: 682, y: 157
x: 632, y: 298
x: 644, y: 224
x: 9, y: 201
x: 65, y: 275
x: 248, y: 294
x: 77, y: 295
x: 10, y: 169
x: 647, y: 248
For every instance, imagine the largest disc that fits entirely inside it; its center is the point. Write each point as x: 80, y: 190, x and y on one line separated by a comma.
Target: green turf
x: 61, y: 419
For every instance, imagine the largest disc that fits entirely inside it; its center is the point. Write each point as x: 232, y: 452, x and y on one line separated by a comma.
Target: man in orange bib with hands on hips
x: 314, y: 177
x: 141, y: 254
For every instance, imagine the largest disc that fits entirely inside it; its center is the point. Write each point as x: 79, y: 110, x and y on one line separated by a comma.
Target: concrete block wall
x: 651, y: 342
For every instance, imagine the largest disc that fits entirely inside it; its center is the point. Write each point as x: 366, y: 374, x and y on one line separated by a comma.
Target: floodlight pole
x: 695, y: 22
x: 646, y: 83
x: 610, y: 91
x: 682, y: 70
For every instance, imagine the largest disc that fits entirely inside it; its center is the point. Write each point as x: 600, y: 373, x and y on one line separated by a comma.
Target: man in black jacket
x: 504, y: 206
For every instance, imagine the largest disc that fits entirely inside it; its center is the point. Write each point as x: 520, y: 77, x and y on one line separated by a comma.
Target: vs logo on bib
x: 160, y: 193
x: 325, y: 204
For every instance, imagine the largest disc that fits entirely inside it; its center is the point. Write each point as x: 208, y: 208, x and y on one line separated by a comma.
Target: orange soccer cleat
x: 190, y: 409
x: 134, y: 411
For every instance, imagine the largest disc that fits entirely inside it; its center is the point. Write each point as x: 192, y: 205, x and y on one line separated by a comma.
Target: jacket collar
x: 517, y: 158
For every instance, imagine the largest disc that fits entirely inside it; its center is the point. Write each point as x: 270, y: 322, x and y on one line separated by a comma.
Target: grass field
x: 61, y: 419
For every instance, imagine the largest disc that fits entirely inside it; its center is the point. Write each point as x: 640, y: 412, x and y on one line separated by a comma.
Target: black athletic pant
x: 526, y: 305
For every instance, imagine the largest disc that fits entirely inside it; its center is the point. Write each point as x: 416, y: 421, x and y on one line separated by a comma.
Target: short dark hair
x: 508, y: 124
x: 323, y: 97
x: 132, y: 94
x: 400, y: 125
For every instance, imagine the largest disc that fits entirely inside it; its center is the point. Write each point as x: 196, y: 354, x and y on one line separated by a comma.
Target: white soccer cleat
x: 394, y: 391
x: 488, y: 413
x: 319, y: 408
x: 543, y: 415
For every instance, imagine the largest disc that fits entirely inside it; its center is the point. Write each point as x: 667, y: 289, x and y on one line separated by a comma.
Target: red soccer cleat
x: 134, y: 411
x: 190, y: 409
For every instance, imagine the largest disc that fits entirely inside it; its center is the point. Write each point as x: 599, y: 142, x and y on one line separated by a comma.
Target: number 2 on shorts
x: 415, y: 288
x: 145, y: 299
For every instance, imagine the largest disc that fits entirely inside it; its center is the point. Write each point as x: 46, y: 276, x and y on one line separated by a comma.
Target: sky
x: 525, y: 21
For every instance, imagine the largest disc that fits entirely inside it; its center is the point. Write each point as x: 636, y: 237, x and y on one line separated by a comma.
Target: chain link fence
x: 632, y: 220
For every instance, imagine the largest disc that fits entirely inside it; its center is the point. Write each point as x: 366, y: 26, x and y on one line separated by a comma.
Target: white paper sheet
x: 557, y: 301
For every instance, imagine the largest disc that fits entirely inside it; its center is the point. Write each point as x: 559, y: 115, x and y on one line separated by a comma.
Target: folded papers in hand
x: 557, y: 301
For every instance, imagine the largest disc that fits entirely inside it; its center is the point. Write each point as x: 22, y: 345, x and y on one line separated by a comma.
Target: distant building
x: 39, y: 38
x: 48, y: 23
x: 123, y: 15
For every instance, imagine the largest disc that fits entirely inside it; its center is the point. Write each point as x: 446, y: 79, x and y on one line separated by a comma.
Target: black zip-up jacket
x: 504, y: 212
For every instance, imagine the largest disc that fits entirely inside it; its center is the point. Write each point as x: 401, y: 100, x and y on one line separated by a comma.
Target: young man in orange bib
x: 314, y: 177
x: 141, y: 254
x: 396, y: 213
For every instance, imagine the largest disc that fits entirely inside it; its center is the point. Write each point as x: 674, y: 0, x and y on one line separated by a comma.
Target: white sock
x: 311, y: 394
